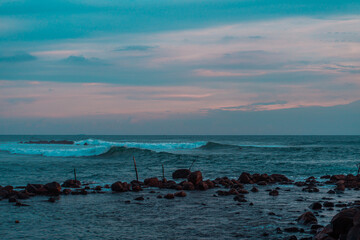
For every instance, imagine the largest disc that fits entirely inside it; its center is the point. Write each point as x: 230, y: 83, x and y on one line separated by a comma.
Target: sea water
x: 101, y: 160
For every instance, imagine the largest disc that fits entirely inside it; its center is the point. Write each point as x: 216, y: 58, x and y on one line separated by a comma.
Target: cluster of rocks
x: 263, y: 179
x: 52, y: 190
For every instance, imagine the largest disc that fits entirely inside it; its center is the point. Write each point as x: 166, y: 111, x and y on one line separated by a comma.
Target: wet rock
x: 136, y: 188
x: 188, y: 186
x: 315, y: 206
x: 22, y: 195
x: 181, y: 173
x: 354, y: 233
x: 340, y: 187
x: 274, y: 193
x: 343, y: 221
x: 195, y: 177
x: 180, y: 194
x: 139, y: 199
x: 240, y: 198
x: 52, y: 200
x: 17, y: 221
x: 36, y: 189
x: 331, y: 192
x: 307, y: 219
x: 53, y: 188
x: 254, y: 189
x: 169, y: 196
x: 159, y: 196
x: 325, y: 177
x: 107, y: 186
x: 12, y: 199
x: 278, y: 230
x: 245, y: 178
x: 153, y: 182
x: 98, y: 188
x: 209, y: 183
x: 119, y: 187
x: 242, y: 191
x: 70, y: 183
x: 201, y: 186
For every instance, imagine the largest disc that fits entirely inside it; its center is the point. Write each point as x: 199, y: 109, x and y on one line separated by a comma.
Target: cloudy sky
x: 179, y: 67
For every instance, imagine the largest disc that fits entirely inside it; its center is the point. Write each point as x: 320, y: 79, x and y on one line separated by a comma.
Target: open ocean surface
x: 107, y: 159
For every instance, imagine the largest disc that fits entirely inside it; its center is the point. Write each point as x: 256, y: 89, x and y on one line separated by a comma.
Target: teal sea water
x: 101, y: 160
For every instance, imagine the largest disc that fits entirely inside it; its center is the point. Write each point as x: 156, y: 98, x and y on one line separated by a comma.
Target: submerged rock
x: 70, y: 183
x: 307, y: 219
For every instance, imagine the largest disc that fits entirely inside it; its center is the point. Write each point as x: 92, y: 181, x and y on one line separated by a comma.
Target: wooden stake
x: 137, y: 176
x: 163, y: 171
x: 191, y: 165
x: 75, y: 174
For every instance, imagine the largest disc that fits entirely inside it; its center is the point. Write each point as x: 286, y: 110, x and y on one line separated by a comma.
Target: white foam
x: 143, y: 145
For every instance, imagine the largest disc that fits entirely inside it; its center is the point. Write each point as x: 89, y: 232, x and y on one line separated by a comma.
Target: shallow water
x: 198, y: 216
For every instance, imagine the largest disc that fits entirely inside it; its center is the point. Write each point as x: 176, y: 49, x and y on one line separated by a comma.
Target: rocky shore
x: 344, y: 225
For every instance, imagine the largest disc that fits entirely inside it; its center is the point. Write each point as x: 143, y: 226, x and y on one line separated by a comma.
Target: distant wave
x: 215, y: 146
x: 95, y: 147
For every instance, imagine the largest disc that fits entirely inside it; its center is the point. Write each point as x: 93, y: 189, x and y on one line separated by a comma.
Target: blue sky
x: 179, y: 67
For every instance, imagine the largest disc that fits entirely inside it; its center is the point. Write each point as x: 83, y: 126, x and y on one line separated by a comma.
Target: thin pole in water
x: 163, y: 171
x: 75, y: 174
x: 191, y: 165
x: 137, y: 176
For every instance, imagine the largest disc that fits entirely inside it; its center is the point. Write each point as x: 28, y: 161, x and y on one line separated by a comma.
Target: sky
x: 179, y: 67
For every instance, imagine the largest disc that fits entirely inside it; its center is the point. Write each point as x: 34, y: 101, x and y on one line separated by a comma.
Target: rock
x: 274, y: 193
x: 188, y: 186
x: 245, y: 178
x: 19, y: 204
x: 242, y: 191
x: 36, y: 189
x: 195, y: 177
x: 180, y: 194
x: 209, y: 183
x: 159, y: 196
x: 17, y: 221
x: 254, y: 189
x: 22, y: 195
x: 52, y: 200
x: 331, y: 192
x: 307, y: 219
x: 181, y: 173
x: 325, y: 177
x: 343, y: 221
x: 169, y: 196
x: 202, y: 186
x: 340, y: 188
x: 98, y: 188
x: 107, y: 186
x: 315, y: 206
x: 12, y: 199
x: 240, y: 198
x: 71, y: 183
x: 136, y: 188
x: 354, y: 233
x: 119, y: 187
x: 53, y: 188
x: 153, y: 182
x: 139, y: 199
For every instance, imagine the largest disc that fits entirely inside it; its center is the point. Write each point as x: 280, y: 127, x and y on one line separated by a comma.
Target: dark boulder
x: 274, y: 193
x: 180, y: 194
x: 71, y: 183
x: 181, y: 173
x: 153, y: 182
x: 119, y: 187
x: 188, y: 185
x: 245, y: 178
x: 36, y: 189
x: 201, y: 186
x: 53, y: 188
x: 307, y: 219
x: 195, y: 177
x: 343, y: 221
x: 315, y: 206
x: 169, y: 196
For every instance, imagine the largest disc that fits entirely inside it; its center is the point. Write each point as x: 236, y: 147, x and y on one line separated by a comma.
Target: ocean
x: 101, y: 160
